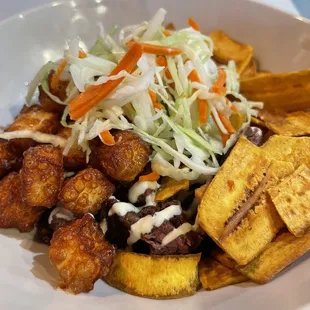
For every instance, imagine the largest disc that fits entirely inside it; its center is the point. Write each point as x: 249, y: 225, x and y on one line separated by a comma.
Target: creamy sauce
x: 104, y: 226
x: 61, y: 213
x: 122, y: 208
x: 139, y: 188
x: 181, y: 230
x: 147, y: 223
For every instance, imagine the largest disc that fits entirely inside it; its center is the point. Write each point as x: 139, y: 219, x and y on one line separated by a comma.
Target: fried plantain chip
x: 159, y: 277
x: 214, y: 275
x: 294, y: 150
x: 280, y: 253
x: 226, y: 49
x: 263, y: 73
x: 291, y: 198
x: 249, y: 71
x: 293, y: 124
x: 222, y: 257
x: 200, y: 191
x: 258, y: 122
x: 286, y: 91
x: 170, y: 187
x: 229, y: 199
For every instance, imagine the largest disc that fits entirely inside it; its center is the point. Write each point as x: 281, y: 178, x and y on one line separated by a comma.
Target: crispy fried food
x: 85, y: 192
x: 81, y: 254
x: 49, y: 104
x: 214, y: 275
x: 263, y: 73
x: 170, y: 187
x: 226, y: 49
x: 291, y: 198
x: 14, y: 213
x: 222, y: 257
x: 293, y: 124
x: 36, y: 119
x: 258, y: 122
x: 75, y: 159
x: 200, y: 191
x: 9, y: 159
x: 280, y: 253
x: 285, y: 91
x: 123, y: 161
x: 159, y: 277
x: 250, y: 70
x: 228, y: 202
x: 294, y: 150
x: 42, y: 175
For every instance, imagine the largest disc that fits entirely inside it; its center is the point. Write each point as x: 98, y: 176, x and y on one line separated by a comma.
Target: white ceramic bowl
x: 281, y: 43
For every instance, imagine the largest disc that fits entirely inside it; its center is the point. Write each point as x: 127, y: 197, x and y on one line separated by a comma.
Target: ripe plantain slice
x: 159, y: 277
x: 170, y: 187
x: 228, y: 203
x: 280, y: 253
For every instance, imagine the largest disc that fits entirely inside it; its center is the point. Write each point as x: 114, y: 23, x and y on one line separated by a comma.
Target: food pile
x: 161, y: 161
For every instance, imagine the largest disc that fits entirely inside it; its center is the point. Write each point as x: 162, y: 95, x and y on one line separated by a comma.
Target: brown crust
x: 81, y: 254
x: 9, y: 159
x: 85, y: 192
x: 14, y: 213
x: 42, y: 175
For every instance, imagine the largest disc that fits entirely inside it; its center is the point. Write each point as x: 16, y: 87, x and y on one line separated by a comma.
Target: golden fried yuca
x: 169, y: 187
x: 230, y: 202
x: 222, y: 257
x: 36, y: 119
x: 284, y: 91
x: 161, y: 277
x: 85, y: 192
x: 14, y: 213
x: 42, y: 175
x: 250, y: 70
x: 294, y: 150
x: 287, y: 124
x: 226, y: 49
x: 291, y: 198
x: 280, y: 253
x: 81, y: 254
x: 9, y: 158
x: 213, y: 274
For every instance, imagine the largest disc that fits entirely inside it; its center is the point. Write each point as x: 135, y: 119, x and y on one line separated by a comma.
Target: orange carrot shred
x: 226, y: 123
x: 158, y: 106
x: 95, y: 93
x: 107, y: 138
x: 152, y: 95
x: 168, y: 74
x: 161, y: 61
x: 158, y: 49
x: 153, y: 176
x: 82, y: 54
x: 170, y: 26
x: 57, y: 74
x: 192, y: 23
x: 193, y: 76
x: 218, y: 86
x: 167, y: 33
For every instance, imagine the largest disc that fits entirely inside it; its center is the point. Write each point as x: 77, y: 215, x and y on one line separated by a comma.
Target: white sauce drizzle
x: 104, y: 226
x: 181, y: 230
x: 60, y: 213
x: 147, y: 223
x: 122, y: 208
x: 139, y: 188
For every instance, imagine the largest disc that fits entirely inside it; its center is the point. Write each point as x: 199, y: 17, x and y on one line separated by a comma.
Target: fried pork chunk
x: 81, y: 254
x: 14, y: 213
x: 49, y: 104
x: 75, y: 159
x: 122, y: 161
x: 85, y: 192
x: 8, y: 158
x: 34, y: 119
x: 42, y: 175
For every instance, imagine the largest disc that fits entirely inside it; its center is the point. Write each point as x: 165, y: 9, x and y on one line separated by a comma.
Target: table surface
x: 12, y: 7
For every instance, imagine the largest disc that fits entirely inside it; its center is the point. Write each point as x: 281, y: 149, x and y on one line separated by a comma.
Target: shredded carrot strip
x: 167, y: 33
x: 158, y: 106
x: 57, y: 74
x: 158, y: 50
x: 192, y: 23
x: 170, y: 26
x: 95, y: 93
x: 168, y: 74
x: 107, y: 138
x: 82, y: 54
x: 161, y: 61
x: 153, y: 176
x: 152, y: 95
x: 224, y: 138
x: 218, y: 86
x: 226, y: 123
x: 203, y: 105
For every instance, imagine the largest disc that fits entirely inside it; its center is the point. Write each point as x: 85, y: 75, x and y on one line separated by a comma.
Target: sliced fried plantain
x: 170, y: 187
